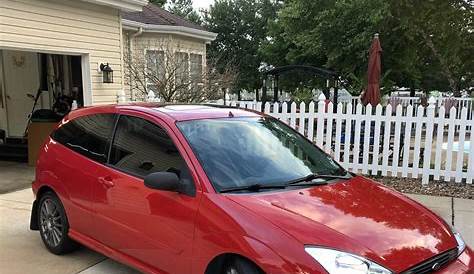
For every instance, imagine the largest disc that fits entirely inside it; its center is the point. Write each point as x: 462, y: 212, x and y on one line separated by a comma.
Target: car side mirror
x: 168, y: 181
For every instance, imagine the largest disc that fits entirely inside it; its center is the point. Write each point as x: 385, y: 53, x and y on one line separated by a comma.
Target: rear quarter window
x: 87, y: 135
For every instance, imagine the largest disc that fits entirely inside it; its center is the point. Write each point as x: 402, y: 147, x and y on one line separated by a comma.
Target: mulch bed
x: 438, y: 188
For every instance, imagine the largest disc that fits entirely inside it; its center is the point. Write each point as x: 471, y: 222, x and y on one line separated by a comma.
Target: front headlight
x: 337, y: 262
x: 459, y: 240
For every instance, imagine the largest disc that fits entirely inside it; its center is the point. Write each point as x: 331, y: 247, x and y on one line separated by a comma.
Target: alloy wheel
x: 51, y: 222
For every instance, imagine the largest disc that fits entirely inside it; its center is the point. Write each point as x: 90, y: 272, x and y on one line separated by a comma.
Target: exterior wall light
x: 107, y: 73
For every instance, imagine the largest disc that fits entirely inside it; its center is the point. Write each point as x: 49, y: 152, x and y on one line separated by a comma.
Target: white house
x: 57, y: 47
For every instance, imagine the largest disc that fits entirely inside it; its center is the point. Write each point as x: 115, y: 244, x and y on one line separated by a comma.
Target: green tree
x: 426, y: 44
x: 331, y: 34
x: 160, y: 3
x: 445, y: 31
x: 184, y: 8
x: 241, y: 26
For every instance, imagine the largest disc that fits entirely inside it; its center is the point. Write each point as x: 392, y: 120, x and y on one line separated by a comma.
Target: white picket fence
x: 433, y: 145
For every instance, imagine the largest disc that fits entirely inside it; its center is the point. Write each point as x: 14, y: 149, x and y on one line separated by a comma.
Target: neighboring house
x: 151, y: 36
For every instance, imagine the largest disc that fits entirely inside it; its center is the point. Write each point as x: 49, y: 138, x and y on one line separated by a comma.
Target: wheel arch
x: 216, y: 264
x: 34, y: 225
x: 43, y: 189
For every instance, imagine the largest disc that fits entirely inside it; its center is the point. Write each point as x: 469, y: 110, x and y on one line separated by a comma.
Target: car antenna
x: 231, y: 115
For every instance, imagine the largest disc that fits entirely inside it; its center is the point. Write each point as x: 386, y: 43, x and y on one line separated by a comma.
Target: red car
x: 206, y: 189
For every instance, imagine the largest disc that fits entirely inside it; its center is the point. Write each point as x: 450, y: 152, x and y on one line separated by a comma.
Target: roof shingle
x: 154, y: 15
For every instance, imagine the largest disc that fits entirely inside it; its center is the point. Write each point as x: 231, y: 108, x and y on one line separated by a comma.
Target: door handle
x: 106, y: 181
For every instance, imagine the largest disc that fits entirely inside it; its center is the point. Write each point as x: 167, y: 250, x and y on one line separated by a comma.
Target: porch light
x: 107, y: 73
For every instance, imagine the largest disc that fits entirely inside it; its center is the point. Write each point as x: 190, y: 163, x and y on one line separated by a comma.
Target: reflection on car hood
x: 358, y: 216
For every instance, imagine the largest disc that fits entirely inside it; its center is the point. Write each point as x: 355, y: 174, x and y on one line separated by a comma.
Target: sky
x: 199, y: 4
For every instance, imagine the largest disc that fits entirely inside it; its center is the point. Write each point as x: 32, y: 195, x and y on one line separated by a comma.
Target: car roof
x: 179, y: 112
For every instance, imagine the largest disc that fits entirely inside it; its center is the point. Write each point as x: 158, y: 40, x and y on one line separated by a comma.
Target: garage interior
x: 36, y: 91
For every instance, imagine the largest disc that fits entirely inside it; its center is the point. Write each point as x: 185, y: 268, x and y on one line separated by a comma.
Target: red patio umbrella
x: 372, y: 92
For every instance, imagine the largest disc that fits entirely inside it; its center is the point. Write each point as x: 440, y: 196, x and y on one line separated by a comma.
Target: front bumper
x: 464, y: 264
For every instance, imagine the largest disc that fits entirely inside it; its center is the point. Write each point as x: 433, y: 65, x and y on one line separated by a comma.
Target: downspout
x: 130, y: 57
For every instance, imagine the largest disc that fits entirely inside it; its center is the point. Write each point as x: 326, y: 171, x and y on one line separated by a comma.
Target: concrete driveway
x: 21, y: 250
x: 14, y: 176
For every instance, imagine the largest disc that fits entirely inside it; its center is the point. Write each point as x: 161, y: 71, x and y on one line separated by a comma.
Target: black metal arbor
x: 276, y: 72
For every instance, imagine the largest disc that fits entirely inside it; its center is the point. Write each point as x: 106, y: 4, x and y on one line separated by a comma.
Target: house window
x: 182, y: 69
x: 196, y: 67
x: 156, y: 70
x: 185, y: 68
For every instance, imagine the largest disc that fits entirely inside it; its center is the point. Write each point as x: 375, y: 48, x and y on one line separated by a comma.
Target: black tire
x: 53, y: 225
x: 240, y: 266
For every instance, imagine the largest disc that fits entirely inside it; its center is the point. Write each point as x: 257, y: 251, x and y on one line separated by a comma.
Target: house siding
x: 67, y: 27
x: 156, y: 41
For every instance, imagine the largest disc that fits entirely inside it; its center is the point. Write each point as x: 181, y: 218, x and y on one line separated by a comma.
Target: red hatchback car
x: 206, y: 189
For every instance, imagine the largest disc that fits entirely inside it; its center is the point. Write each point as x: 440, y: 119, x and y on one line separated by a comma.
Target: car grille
x: 433, y: 264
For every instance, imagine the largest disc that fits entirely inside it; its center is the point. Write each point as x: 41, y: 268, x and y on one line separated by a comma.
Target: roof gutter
x: 124, y: 5
x: 138, y: 33
x: 207, y: 36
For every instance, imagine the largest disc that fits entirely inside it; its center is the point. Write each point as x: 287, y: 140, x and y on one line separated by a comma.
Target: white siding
x: 68, y: 27
x: 158, y: 41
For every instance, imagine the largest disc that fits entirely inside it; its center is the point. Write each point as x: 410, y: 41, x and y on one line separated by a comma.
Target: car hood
x: 357, y: 216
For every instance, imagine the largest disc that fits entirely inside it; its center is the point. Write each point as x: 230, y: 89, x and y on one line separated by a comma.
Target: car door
x: 83, y: 148
x: 155, y: 227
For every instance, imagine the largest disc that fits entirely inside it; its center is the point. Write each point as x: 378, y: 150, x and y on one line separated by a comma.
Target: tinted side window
x: 87, y: 135
x: 141, y: 147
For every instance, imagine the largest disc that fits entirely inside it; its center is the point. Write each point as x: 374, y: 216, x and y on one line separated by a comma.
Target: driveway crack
x: 90, y: 266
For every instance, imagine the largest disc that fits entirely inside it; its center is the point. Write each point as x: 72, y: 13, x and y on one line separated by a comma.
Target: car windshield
x: 240, y: 152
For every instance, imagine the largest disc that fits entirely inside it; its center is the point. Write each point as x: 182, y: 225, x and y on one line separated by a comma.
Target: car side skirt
x: 111, y: 253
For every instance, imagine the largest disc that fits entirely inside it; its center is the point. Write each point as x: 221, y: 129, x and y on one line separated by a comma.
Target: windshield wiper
x: 252, y: 188
x: 315, y: 176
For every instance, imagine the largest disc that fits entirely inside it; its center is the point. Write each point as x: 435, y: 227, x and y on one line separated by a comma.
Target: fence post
x: 337, y: 141
x: 418, y: 137
x: 347, y: 135
x: 329, y: 124
x: 293, y: 115
x: 284, y: 115
x: 386, y: 139
x: 430, y: 113
x: 396, y: 141
x: 448, y: 169
x: 301, y: 124
x: 366, y: 141
x: 377, y: 138
x: 470, y: 165
x: 407, y: 141
x: 267, y: 108
x: 460, y: 153
x: 311, y: 122
x: 320, y: 119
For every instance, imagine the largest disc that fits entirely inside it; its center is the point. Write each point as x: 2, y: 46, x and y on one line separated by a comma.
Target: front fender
x: 225, y: 227
x: 245, y: 246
